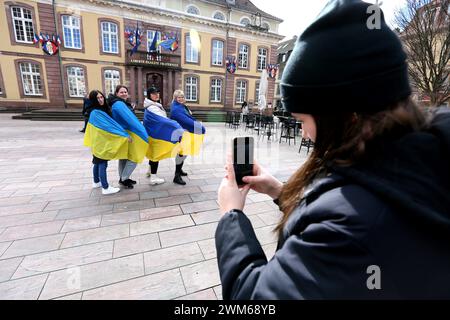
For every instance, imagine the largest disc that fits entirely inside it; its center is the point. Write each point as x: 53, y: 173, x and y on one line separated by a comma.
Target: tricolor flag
x: 36, y: 38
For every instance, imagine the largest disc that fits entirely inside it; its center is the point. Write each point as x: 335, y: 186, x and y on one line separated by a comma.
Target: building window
x: 76, y: 80
x: 241, y: 91
x: 262, y: 58
x: 23, y: 24
x: 266, y: 26
x: 219, y: 16
x: 216, y: 90
x: 257, y: 92
x: 191, y: 89
x: 245, y: 21
x: 191, y: 51
x: 72, y: 32
x: 31, y: 79
x: 150, y: 37
x: 243, y: 56
x: 193, y: 10
x: 112, y: 79
x: 110, y: 37
x: 217, y: 53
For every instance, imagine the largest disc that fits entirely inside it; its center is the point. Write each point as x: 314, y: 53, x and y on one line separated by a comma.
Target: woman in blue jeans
x: 100, y: 178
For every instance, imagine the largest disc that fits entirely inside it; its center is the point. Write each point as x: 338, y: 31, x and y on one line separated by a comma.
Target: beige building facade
x: 95, y: 53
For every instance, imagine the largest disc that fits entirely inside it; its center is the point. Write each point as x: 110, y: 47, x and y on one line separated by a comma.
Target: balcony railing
x: 157, y: 60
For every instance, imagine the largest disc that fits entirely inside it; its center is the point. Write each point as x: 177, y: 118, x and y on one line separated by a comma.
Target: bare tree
x: 425, y: 31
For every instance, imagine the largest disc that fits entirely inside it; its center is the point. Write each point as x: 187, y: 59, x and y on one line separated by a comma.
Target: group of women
x: 114, y: 132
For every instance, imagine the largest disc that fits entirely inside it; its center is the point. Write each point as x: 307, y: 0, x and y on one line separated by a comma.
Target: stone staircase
x: 75, y: 115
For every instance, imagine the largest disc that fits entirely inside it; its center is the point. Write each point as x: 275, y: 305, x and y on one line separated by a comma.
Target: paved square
x: 59, y: 239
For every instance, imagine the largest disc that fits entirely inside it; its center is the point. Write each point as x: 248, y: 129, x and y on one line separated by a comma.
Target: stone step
x: 75, y: 115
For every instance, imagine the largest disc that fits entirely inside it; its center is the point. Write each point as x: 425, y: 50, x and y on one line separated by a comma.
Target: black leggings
x: 153, y: 166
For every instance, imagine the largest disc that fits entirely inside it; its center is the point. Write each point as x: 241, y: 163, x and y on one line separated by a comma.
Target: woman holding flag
x: 192, y: 137
x: 106, y: 138
x: 154, y: 119
x: 122, y: 112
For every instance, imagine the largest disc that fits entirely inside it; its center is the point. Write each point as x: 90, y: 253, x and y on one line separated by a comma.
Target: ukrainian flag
x: 107, y: 139
x: 164, y: 136
x: 138, y: 148
x: 192, y: 139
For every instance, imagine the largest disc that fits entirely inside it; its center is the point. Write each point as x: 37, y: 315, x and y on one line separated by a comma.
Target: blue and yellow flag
x: 164, y: 136
x: 192, y: 139
x: 138, y: 148
x: 106, y: 138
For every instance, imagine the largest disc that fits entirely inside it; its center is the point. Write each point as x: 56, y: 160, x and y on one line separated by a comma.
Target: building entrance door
x: 156, y: 80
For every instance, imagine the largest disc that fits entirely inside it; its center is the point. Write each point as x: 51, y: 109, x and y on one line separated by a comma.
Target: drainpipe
x: 226, y: 46
x: 61, y: 71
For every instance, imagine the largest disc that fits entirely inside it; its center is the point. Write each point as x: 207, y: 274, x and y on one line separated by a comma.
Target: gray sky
x: 298, y: 14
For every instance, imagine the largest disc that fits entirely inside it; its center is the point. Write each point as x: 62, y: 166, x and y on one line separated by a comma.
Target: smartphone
x: 243, y: 148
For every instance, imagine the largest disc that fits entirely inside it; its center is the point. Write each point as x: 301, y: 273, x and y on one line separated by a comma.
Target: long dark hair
x: 93, y: 97
x: 346, y: 139
x: 95, y: 105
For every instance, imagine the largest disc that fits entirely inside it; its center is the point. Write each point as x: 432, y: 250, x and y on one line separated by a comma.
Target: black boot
x: 178, y: 180
x: 126, y: 184
x: 183, y: 174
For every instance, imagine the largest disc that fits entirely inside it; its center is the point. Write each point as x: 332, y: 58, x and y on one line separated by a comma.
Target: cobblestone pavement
x: 60, y: 239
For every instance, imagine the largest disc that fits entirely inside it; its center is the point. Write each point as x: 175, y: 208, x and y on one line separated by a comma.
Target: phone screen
x: 243, y: 148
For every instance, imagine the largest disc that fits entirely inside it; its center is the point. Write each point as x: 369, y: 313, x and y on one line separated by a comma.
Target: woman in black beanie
x: 368, y: 215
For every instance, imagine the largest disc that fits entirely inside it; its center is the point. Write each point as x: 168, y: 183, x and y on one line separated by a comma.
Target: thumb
x: 252, y: 179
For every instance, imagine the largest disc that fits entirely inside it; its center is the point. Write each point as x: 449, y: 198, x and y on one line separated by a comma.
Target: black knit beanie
x: 340, y: 65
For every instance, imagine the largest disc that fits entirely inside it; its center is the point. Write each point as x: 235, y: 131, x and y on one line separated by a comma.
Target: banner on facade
x: 134, y: 37
x: 169, y: 42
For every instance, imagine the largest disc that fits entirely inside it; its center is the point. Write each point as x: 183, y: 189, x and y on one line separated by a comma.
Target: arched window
x: 266, y: 26
x: 219, y: 16
x: 193, y: 10
x: 245, y: 21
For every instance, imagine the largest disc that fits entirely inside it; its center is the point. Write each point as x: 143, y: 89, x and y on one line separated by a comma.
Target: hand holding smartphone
x: 243, y: 155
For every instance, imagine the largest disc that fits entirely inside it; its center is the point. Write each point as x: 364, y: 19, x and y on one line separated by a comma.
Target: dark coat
x: 87, y: 105
x: 393, y: 212
x: 113, y: 98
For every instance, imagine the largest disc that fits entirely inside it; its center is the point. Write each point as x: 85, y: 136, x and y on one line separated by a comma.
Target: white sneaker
x: 149, y: 172
x: 96, y: 185
x: 110, y: 190
x: 155, y: 180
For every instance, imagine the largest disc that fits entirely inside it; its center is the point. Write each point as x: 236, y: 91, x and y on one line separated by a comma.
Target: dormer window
x: 193, y: 10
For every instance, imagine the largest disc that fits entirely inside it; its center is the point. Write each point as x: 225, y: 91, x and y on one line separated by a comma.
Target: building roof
x: 286, y: 46
x: 247, y: 6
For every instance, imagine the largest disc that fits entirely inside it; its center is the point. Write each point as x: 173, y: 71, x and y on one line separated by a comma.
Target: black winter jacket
x: 113, y: 98
x: 392, y: 213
